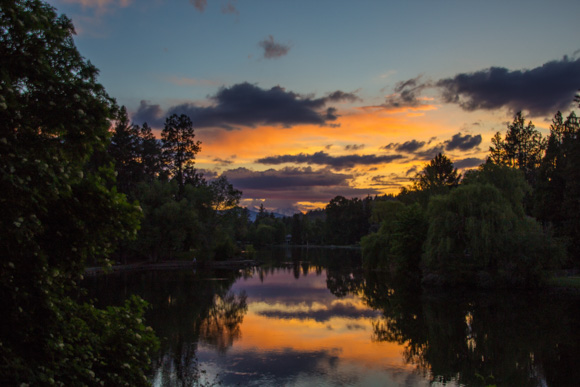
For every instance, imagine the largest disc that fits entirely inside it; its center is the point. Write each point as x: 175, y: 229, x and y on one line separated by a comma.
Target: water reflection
x: 313, y: 317
x: 480, y: 339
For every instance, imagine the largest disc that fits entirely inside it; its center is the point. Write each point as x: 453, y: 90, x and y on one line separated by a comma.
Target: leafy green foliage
x: 58, y: 211
x: 477, y: 236
x: 436, y: 178
x: 347, y: 220
x: 397, y: 245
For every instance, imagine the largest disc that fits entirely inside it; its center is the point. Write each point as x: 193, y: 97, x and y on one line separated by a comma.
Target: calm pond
x: 313, y: 318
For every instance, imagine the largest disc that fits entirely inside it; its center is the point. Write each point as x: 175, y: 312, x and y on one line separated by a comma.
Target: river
x: 312, y: 317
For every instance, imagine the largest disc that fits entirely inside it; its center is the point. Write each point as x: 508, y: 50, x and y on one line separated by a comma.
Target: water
x: 314, y: 318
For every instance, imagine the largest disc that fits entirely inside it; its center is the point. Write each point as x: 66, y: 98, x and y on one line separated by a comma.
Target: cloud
x: 289, y: 186
x: 407, y: 94
x: 392, y: 180
x: 222, y: 161
x: 429, y: 153
x: 354, y: 147
x: 417, y: 148
x: 285, y: 178
x: 152, y: 114
x: 273, y: 50
x: 245, y: 104
x: 463, y: 143
x: 541, y: 91
x: 469, y: 162
x: 200, y: 5
x: 407, y: 147
x: 334, y: 162
x: 339, y: 96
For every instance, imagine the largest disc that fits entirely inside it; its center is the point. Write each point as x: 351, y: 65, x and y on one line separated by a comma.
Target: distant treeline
x: 506, y: 222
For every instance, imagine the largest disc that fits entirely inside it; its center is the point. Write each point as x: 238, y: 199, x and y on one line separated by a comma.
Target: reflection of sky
x: 297, y: 333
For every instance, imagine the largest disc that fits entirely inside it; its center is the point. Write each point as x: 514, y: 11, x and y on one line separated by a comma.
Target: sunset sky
x: 299, y: 101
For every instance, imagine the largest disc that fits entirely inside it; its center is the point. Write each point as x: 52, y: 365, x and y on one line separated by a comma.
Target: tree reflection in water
x: 479, y: 339
x: 472, y: 339
x: 189, y: 309
x: 221, y: 327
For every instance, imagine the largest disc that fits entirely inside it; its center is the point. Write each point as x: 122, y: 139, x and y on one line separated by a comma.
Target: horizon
x: 299, y: 102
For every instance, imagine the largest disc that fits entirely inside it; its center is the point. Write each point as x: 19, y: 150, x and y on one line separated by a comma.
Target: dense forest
x: 82, y: 185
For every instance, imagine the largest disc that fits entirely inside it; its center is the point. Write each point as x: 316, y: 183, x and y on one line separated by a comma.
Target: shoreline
x: 171, y: 265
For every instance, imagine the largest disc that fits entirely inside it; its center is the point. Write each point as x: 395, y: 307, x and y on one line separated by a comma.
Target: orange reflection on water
x: 317, y: 322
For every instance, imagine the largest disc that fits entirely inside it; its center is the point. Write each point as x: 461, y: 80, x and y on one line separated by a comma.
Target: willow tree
x: 479, y: 234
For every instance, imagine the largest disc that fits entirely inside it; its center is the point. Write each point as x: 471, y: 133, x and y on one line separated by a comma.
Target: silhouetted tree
x: 522, y: 148
x: 57, y: 213
x: 438, y: 174
x: 179, y: 146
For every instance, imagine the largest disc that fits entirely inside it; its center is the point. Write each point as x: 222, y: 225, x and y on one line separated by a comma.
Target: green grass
x: 568, y: 282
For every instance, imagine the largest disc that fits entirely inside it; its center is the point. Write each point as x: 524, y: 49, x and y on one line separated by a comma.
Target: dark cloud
x: 245, y: 104
x: 541, y: 91
x: 407, y: 147
x: 285, y: 178
x: 223, y: 161
x: 339, y: 96
x: 288, y: 185
x: 463, y: 143
x: 393, y: 180
x: 354, y: 147
x: 273, y: 50
x: 430, y: 153
x: 407, y: 94
x: 199, y: 4
x: 469, y: 162
x: 334, y: 162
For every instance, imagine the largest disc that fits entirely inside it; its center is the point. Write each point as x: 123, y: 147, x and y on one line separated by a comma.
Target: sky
x: 299, y: 101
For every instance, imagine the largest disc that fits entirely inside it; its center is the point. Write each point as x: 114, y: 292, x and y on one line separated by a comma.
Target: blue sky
x: 259, y: 76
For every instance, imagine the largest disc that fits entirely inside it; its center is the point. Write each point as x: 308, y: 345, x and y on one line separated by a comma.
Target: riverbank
x: 172, y: 265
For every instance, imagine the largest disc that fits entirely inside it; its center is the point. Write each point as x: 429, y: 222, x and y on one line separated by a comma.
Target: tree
x: 57, y: 213
x: 522, y: 147
x: 478, y: 236
x: 347, y: 220
x: 224, y: 195
x: 125, y: 150
x: 179, y: 146
x: 438, y: 175
x: 150, y: 154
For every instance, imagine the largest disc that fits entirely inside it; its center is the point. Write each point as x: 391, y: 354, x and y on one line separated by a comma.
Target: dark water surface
x: 313, y: 318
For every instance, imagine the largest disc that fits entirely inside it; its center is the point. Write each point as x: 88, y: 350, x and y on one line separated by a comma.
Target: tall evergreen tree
x: 522, y: 148
x: 179, y: 145
x: 438, y: 174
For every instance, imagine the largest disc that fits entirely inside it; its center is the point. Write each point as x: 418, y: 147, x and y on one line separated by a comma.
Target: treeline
x: 505, y: 223
x: 184, y: 216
